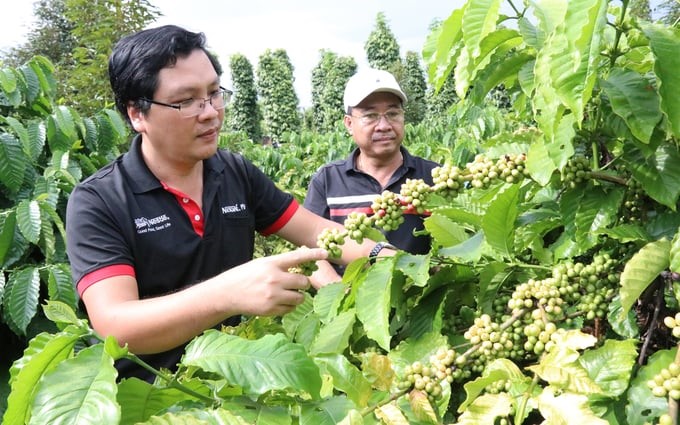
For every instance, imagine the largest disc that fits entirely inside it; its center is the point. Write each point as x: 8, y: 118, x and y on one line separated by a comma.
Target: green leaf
x: 597, y: 210
x: 327, y: 412
x: 328, y: 300
x: 60, y: 312
x: 7, y: 234
x: 113, y: 349
x: 625, y: 325
x: 539, y: 163
x: 270, y: 363
x: 499, y: 221
x: 633, y: 98
x: 485, y: 409
x: 391, y: 414
x: 373, y: 302
x: 140, y: 400
x: 497, y: 370
x: 81, y: 390
x: 28, y: 219
x: 566, y: 408
x: 641, y: 270
x: 302, y: 324
x: 444, y: 230
x: 625, y: 233
x: 665, y: 44
x: 658, y: 174
x: 60, y: 286
x: 347, y: 378
x: 333, y: 337
x: 674, y: 254
x: 642, y: 406
x: 44, y: 70
x: 441, y: 46
x: 21, y: 297
x: 611, y: 366
x: 415, y: 267
x: 61, y: 129
x: 198, y: 417
x: 469, y: 250
x: 479, y: 40
x: 43, y: 353
x: 8, y: 80
x: 13, y: 162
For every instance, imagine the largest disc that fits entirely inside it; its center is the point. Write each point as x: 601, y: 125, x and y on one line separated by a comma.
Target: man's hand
x: 267, y: 287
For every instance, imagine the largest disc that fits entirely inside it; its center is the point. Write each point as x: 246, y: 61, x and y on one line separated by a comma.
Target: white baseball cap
x: 369, y: 81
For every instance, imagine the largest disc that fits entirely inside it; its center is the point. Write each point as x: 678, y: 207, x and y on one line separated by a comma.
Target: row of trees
x: 77, y: 37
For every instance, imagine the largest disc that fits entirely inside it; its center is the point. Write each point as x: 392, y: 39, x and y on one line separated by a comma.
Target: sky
x: 301, y: 27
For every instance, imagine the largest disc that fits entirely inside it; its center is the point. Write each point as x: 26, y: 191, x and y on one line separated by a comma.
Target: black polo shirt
x: 339, y: 188
x: 123, y: 220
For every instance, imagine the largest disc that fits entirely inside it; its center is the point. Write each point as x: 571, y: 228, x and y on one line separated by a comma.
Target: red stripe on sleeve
x: 103, y: 273
x: 341, y: 212
x: 282, y: 220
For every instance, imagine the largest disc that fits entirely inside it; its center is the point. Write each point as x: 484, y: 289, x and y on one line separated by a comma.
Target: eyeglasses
x: 372, y: 118
x: 193, y: 107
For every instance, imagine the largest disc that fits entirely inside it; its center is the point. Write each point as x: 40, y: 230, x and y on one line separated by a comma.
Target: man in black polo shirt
x: 161, y: 240
x: 374, y: 116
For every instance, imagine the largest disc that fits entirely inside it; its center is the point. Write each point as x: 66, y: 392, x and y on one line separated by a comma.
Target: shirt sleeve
x: 315, y: 201
x: 94, y: 239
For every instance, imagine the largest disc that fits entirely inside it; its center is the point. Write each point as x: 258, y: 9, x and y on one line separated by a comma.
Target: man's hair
x: 137, y: 59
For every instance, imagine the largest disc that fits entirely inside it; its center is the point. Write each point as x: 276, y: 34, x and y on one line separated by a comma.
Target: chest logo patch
x: 145, y: 225
x: 230, y: 209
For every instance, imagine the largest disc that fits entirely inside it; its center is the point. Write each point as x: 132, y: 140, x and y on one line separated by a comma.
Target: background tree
x: 382, y: 48
x: 245, y: 114
x: 50, y: 37
x: 328, y: 85
x: 439, y: 101
x: 98, y: 25
x: 277, y: 94
x: 414, y: 85
x: 670, y: 12
x: 640, y: 9
x: 77, y: 37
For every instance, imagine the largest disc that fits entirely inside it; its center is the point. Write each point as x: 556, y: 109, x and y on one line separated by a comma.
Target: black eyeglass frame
x: 178, y: 106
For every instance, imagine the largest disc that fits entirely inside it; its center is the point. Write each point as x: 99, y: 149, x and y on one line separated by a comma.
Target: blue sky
x: 301, y: 27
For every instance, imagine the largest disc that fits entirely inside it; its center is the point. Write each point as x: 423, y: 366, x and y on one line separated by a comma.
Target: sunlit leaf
x: 641, y: 270
x: 266, y: 364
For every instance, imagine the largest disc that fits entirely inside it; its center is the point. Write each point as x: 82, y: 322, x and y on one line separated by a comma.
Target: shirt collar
x: 349, y: 164
x: 142, y: 179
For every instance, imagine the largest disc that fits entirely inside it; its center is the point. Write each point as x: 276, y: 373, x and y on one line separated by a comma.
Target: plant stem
x: 522, y: 405
x: 608, y: 177
x: 369, y: 409
x: 652, y: 324
x: 673, y: 403
x: 171, y: 381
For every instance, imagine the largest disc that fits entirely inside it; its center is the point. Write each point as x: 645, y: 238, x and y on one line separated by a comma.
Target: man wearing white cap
x: 374, y: 116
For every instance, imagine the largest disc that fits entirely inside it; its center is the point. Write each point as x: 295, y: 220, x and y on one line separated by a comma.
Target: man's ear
x: 348, y: 123
x: 136, y: 117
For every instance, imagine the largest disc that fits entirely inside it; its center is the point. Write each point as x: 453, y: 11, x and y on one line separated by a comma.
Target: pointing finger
x: 301, y: 255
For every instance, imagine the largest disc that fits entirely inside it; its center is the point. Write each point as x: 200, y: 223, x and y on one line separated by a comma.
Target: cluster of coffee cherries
x: 429, y: 377
x: 577, y: 170
x: 673, y: 323
x: 331, y: 239
x: 414, y: 195
x: 357, y: 225
x: 306, y: 268
x: 388, y: 211
x: 666, y: 383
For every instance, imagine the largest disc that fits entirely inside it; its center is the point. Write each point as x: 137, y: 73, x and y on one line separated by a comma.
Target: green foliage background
x: 584, y: 79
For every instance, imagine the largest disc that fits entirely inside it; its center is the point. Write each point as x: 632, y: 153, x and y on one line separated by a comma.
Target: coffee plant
x: 549, y: 295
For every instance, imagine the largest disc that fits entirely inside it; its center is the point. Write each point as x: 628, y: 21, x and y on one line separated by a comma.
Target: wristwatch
x: 377, y: 248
